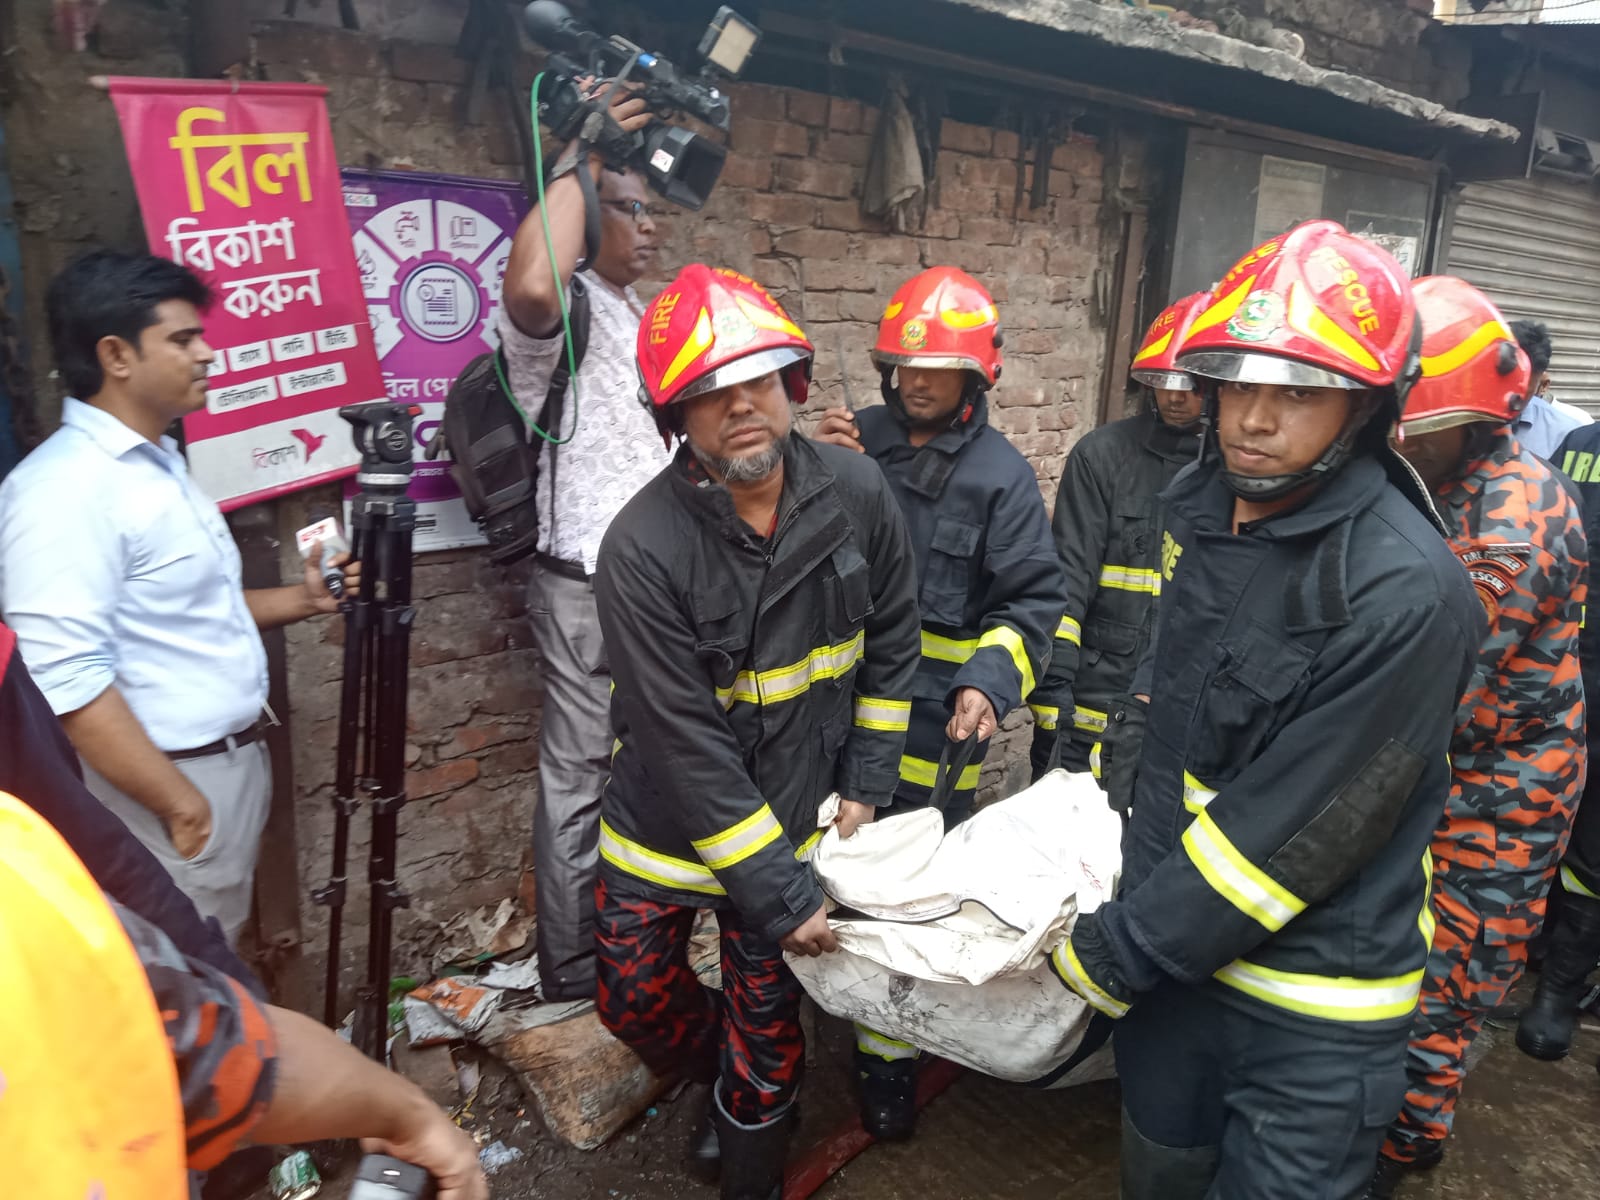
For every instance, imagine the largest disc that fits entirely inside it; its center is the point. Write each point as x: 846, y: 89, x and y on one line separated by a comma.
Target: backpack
x: 494, y: 454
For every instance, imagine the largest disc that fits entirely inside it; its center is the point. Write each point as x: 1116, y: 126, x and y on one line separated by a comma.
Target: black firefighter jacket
x: 990, y: 587
x: 1107, y: 529
x: 752, y: 678
x: 1303, y: 684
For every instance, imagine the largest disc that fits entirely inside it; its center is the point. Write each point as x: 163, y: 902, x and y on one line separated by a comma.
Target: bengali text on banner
x: 240, y: 184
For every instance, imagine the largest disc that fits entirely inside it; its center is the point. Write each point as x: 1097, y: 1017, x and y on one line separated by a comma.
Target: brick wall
x: 785, y: 212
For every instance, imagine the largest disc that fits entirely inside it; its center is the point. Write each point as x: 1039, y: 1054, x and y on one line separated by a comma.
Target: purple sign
x: 432, y: 252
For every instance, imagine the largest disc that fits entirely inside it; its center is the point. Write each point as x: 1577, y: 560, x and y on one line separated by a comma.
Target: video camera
x: 680, y: 164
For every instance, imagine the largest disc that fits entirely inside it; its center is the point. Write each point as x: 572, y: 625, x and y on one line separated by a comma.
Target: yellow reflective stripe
x: 881, y: 1045
x: 1070, y: 631
x: 1334, y: 998
x: 947, y: 649
x: 785, y: 683
x: 1045, y: 716
x: 657, y: 868
x: 808, y: 848
x: 921, y: 771
x: 1196, y: 795
x: 1064, y: 961
x: 1238, y: 880
x: 1090, y: 720
x: 1426, y: 921
x: 1572, y: 883
x: 1130, y: 579
x: 1305, y: 317
x: 738, y: 842
x: 1465, y: 350
x: 1094, y: 760
x: 1009, y: 640
x: 891, y: 716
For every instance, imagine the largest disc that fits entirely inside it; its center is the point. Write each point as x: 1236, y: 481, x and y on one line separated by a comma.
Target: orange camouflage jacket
x: 1517, y: 752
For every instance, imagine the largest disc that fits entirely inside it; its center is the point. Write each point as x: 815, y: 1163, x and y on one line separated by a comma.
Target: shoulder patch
x: 1494, y: 570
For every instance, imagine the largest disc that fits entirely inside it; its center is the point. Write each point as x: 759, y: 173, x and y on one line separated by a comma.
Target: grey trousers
x: 221, y: 878
x: 574, y: 763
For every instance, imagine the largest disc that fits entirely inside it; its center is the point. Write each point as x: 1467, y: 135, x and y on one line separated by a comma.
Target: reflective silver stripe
x: 1064, y: 961
x: 1009, y: 640
x: 785, y: 683
x: 1130, y: 579
x: 1070, y: 631
x: 1236, y: 879
x: 1196, y: 795
x: 881, y: 1045
x: 1045, y: 716
x: 889, y: 716
x: 738, y: 842
x: 1334, y: 998
x: 1090, y: 720
x: 657, y: 868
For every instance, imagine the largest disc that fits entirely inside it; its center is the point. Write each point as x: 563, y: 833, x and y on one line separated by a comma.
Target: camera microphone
x: 324, y: 528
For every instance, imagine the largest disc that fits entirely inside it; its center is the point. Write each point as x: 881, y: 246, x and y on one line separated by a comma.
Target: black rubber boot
x: 705, y: 1153
x: 752, y: 1155
x: 888, y: 1096
x: 1386, y: 1176
x: 1547, y: 1025
x: 1151, y: 1171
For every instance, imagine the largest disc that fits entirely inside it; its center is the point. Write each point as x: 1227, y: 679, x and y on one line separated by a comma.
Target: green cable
x: 555, y: 273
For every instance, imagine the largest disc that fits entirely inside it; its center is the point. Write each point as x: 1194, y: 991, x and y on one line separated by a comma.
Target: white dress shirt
x: 616, y: 448
x: 115, y: 568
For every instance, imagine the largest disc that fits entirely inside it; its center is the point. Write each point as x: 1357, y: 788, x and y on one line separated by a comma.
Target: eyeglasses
x: 637, y: 209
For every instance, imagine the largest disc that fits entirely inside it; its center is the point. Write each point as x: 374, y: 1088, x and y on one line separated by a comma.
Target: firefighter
x: 1108, y: 535
x: 759, y: 603
x: 991, y: 589
x: 1282, y: 759
x: 1516, y: 772
x: 1572, y: 944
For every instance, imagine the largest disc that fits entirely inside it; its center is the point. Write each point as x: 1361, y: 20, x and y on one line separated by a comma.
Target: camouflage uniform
x: 1517, y: 767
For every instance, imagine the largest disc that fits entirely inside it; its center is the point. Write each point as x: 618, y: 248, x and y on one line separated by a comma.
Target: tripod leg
x: 347, y: 774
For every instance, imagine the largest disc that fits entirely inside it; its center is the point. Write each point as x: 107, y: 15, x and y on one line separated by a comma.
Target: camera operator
x: 124, y: 586
x: 614, y: 450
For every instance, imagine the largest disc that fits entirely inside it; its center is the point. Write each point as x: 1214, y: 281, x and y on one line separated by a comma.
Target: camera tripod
x: 370, y: 761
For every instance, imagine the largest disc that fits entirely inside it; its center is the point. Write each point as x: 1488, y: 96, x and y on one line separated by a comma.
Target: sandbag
x: 948, y: 940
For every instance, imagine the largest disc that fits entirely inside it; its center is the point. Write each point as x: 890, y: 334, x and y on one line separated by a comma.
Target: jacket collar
x: 951, y: 440
x: 1203, y: 499
x: 1460, y: 492
x: 804, y: 475
x: 106, y: 431
x: 1162, y: 440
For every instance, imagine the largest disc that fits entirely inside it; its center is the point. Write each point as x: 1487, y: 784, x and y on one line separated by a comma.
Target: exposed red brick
x: 512, y: 759
x: 746, y: 171
x: 785, y: 210
x: 846, y: 214
x: 844, y: 115
x: 997, y: 173
x: 902, y: 251
x: 974, y: 201
x: 812, y: 178
x: 813, y: 243
x: 434, y: 781
x: 758, y: 100
x: 319, y: 48
x: 1006, y: 143
x: 941, y: 223
x: 992, y: 232
x: 808, y: 108
x: 752, y: 135
x: 852, y: 148
x: 972, y: 139
x: 469, y: 738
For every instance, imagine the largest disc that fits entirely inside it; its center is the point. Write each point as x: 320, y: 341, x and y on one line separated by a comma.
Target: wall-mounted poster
x: 431, y: 251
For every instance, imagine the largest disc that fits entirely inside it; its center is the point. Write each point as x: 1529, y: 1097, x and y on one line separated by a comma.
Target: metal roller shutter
x: 1534, y: 246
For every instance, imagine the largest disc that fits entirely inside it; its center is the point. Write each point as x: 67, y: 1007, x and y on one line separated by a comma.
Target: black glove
x: 1119, y: 749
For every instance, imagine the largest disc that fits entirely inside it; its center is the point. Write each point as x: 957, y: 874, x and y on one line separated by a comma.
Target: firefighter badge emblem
x: 1494, y: 570
x: 913, y: 335
x: 1258, y: 318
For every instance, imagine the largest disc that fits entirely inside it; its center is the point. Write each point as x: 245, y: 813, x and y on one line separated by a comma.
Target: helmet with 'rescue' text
x: 1156, y: 361
x: 1472, y: 368
x: 1316, y: 307
x: 710, y: 328
x: 941, y: 318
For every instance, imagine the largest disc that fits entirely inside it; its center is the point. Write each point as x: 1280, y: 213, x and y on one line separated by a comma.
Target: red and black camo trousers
x: 747, y: 1036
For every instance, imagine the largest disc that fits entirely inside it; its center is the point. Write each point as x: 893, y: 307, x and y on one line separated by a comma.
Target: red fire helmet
x: 1316, y: 307
x: 1472, y: 367
x: 1156, y: 363
x: 941, y: 318
x: 713, y: 327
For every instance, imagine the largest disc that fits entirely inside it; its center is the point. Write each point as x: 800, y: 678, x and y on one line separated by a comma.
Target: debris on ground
x: 295, y: 1178
x: 496, y: 1155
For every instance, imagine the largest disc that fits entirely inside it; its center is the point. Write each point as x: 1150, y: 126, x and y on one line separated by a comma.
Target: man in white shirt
x: 613, y: 451
x: 1544, y: 423
x: 123, y: 584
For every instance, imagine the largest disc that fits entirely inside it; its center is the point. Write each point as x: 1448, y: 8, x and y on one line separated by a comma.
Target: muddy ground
x: 1526, y: 1131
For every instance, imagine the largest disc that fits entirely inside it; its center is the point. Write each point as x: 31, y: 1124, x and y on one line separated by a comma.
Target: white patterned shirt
x: 615, y: 449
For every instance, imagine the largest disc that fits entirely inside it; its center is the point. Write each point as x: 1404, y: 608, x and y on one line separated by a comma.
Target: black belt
x: 560, y: 566
x: 252, y: 733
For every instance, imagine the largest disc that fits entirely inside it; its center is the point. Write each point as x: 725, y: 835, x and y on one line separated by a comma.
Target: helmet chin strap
x: 1275, y: 487
x: 971, y: 390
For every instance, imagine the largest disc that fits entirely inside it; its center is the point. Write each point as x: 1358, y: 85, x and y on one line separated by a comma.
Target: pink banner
x: 240, y: 184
